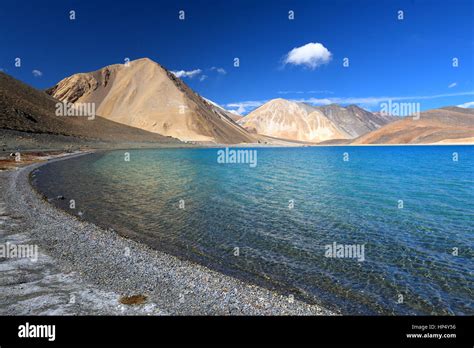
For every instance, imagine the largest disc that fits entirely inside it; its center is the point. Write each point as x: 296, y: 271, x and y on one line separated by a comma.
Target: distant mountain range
x: 298, y: 121
x: 142, y: 101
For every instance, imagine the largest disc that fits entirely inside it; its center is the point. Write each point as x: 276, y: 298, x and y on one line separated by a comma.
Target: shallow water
x: 407, y: 265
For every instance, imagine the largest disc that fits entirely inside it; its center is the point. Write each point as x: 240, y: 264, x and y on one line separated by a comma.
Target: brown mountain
x: 233, y: 116
x: 302, y: 122
x: 26, y: 112
x: 285, y: 119
x: 145, y: 95
x: 444, y: 125
x: 353, y: 120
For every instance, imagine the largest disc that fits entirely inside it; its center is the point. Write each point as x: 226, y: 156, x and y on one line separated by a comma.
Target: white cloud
x: 37, y: 73
x: 240, y: 111
x: 245, y: 106
x: 321, y: 101
x: 467, y: 105
x: 219, y: 70
x: 454, y: 84
x: 197, y: 72
x: 183, y: 73
x: 311, y: 55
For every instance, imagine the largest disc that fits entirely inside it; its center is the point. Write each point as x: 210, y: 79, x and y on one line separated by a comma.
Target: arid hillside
x: 302, y: 122
x: 27, y: 113
x: 145, y: 95
x: 285, y: 119
x: 445, y: 125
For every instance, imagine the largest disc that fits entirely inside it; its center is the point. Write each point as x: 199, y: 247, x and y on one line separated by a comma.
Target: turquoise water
x: 408, y: 265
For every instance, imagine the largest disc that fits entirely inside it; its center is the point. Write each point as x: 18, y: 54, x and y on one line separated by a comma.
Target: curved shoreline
x: 122, y: 267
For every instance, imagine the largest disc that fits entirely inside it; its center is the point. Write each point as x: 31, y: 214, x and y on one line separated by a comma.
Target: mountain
x: 303, y: 122
x: 353, y: 120
x: 285, y: 119
x: 145, y: 95
x: 444, y: 125
x: 26, y: 113
x: 233, y: 116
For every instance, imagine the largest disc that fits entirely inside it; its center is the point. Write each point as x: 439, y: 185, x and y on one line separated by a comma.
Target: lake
x: 365, y: 230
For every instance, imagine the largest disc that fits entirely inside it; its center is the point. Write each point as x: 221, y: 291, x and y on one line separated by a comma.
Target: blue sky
x: 403, y: 60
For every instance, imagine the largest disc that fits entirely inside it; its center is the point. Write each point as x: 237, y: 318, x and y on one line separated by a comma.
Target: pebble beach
x: 86, y: 270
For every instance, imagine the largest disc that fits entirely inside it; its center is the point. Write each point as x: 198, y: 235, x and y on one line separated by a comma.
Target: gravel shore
x: 83, y: 269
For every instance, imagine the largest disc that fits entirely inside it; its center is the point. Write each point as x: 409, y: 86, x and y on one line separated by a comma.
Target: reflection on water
x: 410, y: 207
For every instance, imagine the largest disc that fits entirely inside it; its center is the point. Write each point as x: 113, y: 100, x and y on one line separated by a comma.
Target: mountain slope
x: 26, y: 110
x: 445, y: 125
x: 147, y: 96
x: 302, y: 122
x: 353, y: 120
x: 289, y: 120
x: 233, y: 116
